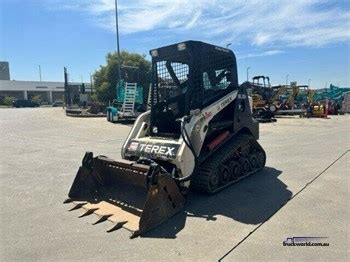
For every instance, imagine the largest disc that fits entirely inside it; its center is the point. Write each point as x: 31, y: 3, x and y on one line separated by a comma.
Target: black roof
x: 192, y: 47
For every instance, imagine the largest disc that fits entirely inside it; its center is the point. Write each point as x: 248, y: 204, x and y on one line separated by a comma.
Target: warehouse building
x: 48, y: 91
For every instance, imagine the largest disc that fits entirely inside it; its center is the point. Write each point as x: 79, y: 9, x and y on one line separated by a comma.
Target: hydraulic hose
x: 188, y: 142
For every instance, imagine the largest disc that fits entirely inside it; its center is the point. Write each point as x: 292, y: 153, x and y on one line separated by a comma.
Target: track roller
x: 235, y: 170
x: 244, y: 164
x: 253, y: 161
x: 224, y: 174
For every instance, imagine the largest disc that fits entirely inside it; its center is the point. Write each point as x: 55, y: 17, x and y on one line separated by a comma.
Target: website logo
x: 305, y: 241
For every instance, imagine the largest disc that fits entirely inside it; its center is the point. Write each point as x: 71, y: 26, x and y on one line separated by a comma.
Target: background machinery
x: 198, y: 135
x: 331, y: 98
x: 129, y: 101
x: 262, y: 95
x: 313, y: 108
x: 292, y: 99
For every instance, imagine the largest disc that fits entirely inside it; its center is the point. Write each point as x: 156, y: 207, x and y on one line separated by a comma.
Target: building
x: 48, y: 91
x: 4, y: 70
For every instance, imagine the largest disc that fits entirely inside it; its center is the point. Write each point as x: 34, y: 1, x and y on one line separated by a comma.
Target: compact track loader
x: 198, y: 134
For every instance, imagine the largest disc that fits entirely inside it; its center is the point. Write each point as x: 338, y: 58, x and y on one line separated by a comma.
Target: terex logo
x: 156, y: 149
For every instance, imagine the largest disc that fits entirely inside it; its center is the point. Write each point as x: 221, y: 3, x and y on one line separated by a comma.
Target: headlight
x: 154, y: 52
x: 181, y: 46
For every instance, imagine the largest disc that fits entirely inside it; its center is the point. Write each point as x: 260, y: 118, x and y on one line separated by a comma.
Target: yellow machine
x: 317, y: 110
x: 263, y: 109
x: 292, y: 94
x: 290, y: 104
x: 258, y: 101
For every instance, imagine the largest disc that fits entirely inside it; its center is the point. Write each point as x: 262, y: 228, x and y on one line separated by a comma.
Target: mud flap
x: 134, y: 196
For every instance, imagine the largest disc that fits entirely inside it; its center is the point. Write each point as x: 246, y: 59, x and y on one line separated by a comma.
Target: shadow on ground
x: 251, y: 201
x: 125, y: 122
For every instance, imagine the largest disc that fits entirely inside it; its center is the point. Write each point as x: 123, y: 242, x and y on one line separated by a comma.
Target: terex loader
x: 199, y: 134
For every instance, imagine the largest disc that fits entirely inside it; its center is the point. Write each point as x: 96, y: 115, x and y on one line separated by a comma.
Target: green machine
x: 333, y: 93
x: 128, y: 103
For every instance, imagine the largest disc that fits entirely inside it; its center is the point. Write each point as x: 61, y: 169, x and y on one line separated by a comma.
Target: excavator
x: 290, y: 105
x: 198, y: 135
x: 262, y: 95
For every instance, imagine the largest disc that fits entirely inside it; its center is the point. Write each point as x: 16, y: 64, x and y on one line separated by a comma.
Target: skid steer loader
x: 199, y: 134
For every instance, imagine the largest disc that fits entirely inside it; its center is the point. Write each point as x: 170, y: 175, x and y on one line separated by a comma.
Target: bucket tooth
x: 134, y: 234
x: 116, y: 226
x: 68, y: 200
x: 102, y: 219
x: 88, y: 212
x: 77, y: 206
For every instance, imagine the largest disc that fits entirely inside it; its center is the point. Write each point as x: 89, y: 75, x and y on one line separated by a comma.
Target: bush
x: 8, y: 100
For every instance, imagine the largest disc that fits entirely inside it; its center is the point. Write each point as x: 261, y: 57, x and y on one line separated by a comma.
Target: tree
x: 8, y: 100
x: 106, y: 78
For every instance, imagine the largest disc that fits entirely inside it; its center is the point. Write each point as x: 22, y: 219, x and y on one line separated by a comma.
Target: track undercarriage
x: 239, y: 158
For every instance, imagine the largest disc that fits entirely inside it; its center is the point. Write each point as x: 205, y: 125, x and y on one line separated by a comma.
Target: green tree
x: 106, y: 78
x: 8, y: 100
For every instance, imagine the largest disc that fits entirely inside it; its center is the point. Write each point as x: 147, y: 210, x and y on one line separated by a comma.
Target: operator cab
x: 187, y: 76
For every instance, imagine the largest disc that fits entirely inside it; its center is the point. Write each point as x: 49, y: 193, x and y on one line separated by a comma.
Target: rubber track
x: 201, y: 179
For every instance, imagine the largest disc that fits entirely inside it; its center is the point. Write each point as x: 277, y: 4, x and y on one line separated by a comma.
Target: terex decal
x: 224, y: 103
x: 155, y: 150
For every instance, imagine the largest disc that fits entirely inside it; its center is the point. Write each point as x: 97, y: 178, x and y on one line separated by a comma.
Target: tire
x: 113, y: 121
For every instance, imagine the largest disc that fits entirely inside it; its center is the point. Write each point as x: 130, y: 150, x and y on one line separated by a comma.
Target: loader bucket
x: 137, y: 197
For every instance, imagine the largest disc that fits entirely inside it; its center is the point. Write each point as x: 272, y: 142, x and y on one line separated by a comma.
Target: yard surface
x: 302, y: 192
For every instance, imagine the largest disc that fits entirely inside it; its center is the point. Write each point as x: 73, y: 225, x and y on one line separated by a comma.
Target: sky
x: 302, y: 39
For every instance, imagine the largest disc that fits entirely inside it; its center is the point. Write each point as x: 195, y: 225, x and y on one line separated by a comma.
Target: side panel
x: 199, y: 123
x: 243, y: 119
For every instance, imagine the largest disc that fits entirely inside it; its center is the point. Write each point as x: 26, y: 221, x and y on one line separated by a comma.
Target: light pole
x: 287, y: 79
x: 117, y: 31
x: 248, y: 73
x: 40, y: 73
x: 228, y: 45
x: 91, y: 83
x: 308, y: 82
